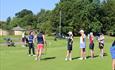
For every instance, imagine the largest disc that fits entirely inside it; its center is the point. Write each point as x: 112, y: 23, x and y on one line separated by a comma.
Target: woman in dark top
x: 40, y: 45
x: 69, y: 46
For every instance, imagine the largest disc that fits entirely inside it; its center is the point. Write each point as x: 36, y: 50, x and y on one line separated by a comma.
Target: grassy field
x: 16, y: 58
x: 14, y: 38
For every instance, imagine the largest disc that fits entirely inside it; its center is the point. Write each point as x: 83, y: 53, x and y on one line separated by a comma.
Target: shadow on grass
x: 75, y: 58
x: 87, y: 57
x: 105, y: 54
x: 94, y: 56
x: 48, y: 58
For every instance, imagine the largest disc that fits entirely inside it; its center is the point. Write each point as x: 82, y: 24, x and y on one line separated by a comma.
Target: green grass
x: 14, y: 38
x: 12, y: 58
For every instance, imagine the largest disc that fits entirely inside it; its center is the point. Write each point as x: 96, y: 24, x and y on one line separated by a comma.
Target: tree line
x: 89, y: 15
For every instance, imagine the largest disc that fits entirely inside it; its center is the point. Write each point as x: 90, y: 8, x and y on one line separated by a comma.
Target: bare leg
x: 37, y: 54
x: 81, y: 53
x: 113, y: 64
x: 40, y: 53
x: 70, y: 55
x: 84, y: 53
x: 92, y: 53
x: 101, y: 53
x: 67, y: 55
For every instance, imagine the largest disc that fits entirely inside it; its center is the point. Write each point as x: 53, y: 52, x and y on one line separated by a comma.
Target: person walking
x: 40, y: 45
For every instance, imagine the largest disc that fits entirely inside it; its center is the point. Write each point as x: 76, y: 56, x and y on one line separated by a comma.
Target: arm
x: 83, y: 38
x: 44, y: 39
x: 35, y: 37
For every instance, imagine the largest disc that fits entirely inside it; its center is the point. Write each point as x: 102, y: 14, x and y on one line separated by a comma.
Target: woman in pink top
x: 91, y: 44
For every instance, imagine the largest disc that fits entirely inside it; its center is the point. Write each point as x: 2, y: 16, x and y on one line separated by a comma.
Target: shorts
x: 69, y: 47
x: 101, y: 45
x: 40, y: 46
x: 113, y: 54
x: 112, y: 50
x: 82, y: 45
x: 91, y: 46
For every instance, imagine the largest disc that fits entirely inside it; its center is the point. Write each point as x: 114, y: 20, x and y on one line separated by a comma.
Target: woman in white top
x: 82, y: 45
x: 101, y: 45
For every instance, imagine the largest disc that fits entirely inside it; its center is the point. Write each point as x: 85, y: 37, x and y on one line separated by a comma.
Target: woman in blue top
x: 31, y: 43
x: 112, y: 50
x: 40, y: 41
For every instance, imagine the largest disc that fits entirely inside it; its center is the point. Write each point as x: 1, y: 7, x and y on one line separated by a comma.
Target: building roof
x: 18, y: 28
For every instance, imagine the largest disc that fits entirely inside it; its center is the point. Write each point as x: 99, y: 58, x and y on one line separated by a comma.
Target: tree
x: 23, y: 13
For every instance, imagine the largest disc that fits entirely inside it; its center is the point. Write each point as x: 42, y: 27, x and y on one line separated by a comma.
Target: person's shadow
x: 105, y: 54
x: 94, y: 56
x: 75, y: 58
x: 48, y: 58
x: 86, y: 57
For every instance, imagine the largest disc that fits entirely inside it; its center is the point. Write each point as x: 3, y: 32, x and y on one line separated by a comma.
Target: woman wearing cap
x: 82, y: 45
x: 91, y: 44
x: 112, y: 50
x: 101, y: 45
x: 69, y: 46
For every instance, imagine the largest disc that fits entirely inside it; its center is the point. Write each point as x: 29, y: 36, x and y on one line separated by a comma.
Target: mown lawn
x: 13, y: 37
x: 16, y: 58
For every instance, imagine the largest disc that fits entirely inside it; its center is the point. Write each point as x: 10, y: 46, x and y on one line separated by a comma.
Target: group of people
x: 83, y: 45
x: 91, y: 46
x: 30, y: 40
x: 40, y: 38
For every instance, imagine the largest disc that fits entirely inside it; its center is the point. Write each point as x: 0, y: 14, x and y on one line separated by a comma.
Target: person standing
x: 23, y: 39
x: 101, y: 45
x: 91, y: 44
x: 82, y: 45
x: 69, y: 46
x: 31, y: 43
x: 40, y: 45
x: 112, y: 50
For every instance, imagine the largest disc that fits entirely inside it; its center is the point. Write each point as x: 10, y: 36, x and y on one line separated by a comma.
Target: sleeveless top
x: 81, y: 41
x: 91, y: 39
x: 70, y: 41
x: 40, y: 38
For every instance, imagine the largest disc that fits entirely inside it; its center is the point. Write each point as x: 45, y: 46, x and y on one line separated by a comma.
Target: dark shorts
x: 69, y: 47
x: 91, y: 46
x: 101, y: 45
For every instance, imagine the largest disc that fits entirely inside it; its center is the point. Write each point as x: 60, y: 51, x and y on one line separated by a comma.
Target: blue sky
x: 10, y: 7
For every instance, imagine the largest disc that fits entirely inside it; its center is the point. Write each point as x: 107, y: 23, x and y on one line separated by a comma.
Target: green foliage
x: 90, y: 15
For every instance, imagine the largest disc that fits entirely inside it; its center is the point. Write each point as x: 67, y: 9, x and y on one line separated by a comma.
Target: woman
x: 31, y: 43
x: 101, y: 45
x: 69, y: 46
x: 82, y: 45
x: 23, y: 39
x: 40, y: 45
x: 91, y: 44
x: 112, y: 50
